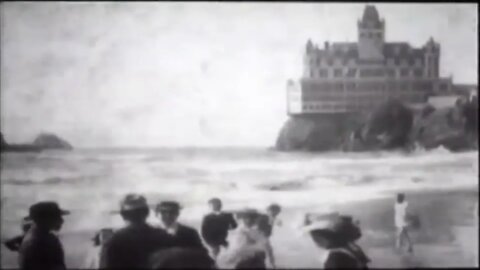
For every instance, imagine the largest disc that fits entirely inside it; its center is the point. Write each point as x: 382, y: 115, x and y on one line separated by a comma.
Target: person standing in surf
x: 402, y: 223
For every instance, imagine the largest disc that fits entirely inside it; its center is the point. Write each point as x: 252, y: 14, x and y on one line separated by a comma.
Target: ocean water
x: 91, y: 183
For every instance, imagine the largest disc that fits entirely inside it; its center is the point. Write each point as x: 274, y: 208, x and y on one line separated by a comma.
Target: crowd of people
x: 233, y: 240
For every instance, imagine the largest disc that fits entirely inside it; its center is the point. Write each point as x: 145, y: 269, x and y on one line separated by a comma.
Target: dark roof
x: 401, y: 50
x: 370, y: 13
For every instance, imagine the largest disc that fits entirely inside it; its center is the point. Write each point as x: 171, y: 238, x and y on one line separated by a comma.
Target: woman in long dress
x: 248, y: 247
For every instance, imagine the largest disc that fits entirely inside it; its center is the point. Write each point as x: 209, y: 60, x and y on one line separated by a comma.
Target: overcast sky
x: 183, y: 74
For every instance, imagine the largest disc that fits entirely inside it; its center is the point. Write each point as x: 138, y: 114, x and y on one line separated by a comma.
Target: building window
x: 323, y: 73
x: 390, y: 72
x: 350, y: 85
x: 418, y: 73
x: 330, y: 62
x: 337, y: 72
x: 418, y: 62
x: 411, y: 61
x: 351, y: 72
x: 404, y: 72
x: 319, y: 61
x: 397, y: 61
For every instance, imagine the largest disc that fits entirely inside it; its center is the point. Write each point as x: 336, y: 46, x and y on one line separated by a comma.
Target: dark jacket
x: 41, y: 249
x: 186, y: 237
x: 215, y: 228
x: 131, y: 247
x: 348, y: 257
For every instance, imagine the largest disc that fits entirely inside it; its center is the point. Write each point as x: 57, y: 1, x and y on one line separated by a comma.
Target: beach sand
x: 448, y: 236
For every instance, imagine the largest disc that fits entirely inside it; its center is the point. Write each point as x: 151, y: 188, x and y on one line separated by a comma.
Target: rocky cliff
x: 389, y: 126
x: 316, y: 132
x: 42, y: 142
x: 51, y: 141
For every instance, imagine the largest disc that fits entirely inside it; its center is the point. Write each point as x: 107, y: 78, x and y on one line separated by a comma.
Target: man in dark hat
x: 183, y: 236
x: 40, y: 248
x: 336, y: 234
x: 14, y: 243
x: 131, y: 246
x: 215, y: 226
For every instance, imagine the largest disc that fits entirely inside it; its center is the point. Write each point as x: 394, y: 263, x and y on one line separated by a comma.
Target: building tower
x: 371, y: 35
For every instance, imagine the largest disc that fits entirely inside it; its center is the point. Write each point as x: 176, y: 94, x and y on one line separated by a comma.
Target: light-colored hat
x: 246, y: 212
x: 323, y: 221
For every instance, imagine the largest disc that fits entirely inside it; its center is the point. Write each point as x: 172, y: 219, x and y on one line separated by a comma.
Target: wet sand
x: 447, y: 237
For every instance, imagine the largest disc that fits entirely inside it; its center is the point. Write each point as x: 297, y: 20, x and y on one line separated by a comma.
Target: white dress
x: 401, y: 214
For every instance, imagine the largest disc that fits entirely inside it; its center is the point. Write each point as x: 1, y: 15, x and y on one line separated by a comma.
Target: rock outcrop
x: 51, y: 141
x: 316, y: 132
x: 454, y: 128
x: 387, y: 127
x: 42, y: 142
x: 390, y: 126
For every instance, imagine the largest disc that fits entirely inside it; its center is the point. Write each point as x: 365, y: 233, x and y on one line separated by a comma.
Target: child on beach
x: 402, y: 223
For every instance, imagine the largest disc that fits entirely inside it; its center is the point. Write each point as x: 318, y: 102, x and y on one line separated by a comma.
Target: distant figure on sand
x: 248, y: 247
x: 40, y: 248
x: 181, y: 235
x: 132, y: 245
x: 14, y: 243
x: 215, y: 227
x: 336, y: 235
x: 265, y: 223
x: 402, y: 223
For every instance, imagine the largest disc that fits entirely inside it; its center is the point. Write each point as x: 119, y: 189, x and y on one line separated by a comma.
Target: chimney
x: 326, y: 45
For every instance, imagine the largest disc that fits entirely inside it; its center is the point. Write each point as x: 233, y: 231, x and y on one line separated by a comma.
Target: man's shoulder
x: 186, y: 228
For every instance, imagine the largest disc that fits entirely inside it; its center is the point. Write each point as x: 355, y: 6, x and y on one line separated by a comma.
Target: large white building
x: 356, y: 76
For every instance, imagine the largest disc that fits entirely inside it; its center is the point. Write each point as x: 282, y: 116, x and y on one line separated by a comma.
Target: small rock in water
x: 417, y: 179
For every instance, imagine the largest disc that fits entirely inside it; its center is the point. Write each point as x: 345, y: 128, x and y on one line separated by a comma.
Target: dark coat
x: 186, y: 237
x: 41, y: 249
x: 354, y: 258
x: 131, y: 247
x: 215, y: 228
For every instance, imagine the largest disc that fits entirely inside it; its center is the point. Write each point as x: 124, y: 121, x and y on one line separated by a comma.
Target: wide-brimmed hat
x: 46, y: 209
x: 336, y: 225
x: 170, y: 206
x: 132, y: 202
x: 246, y: 212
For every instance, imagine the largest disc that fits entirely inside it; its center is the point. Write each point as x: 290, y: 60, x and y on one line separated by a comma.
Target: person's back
x: 344, y: 258
x: 131, y: 246
x: 215, y: 228
x: 41, y: 249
